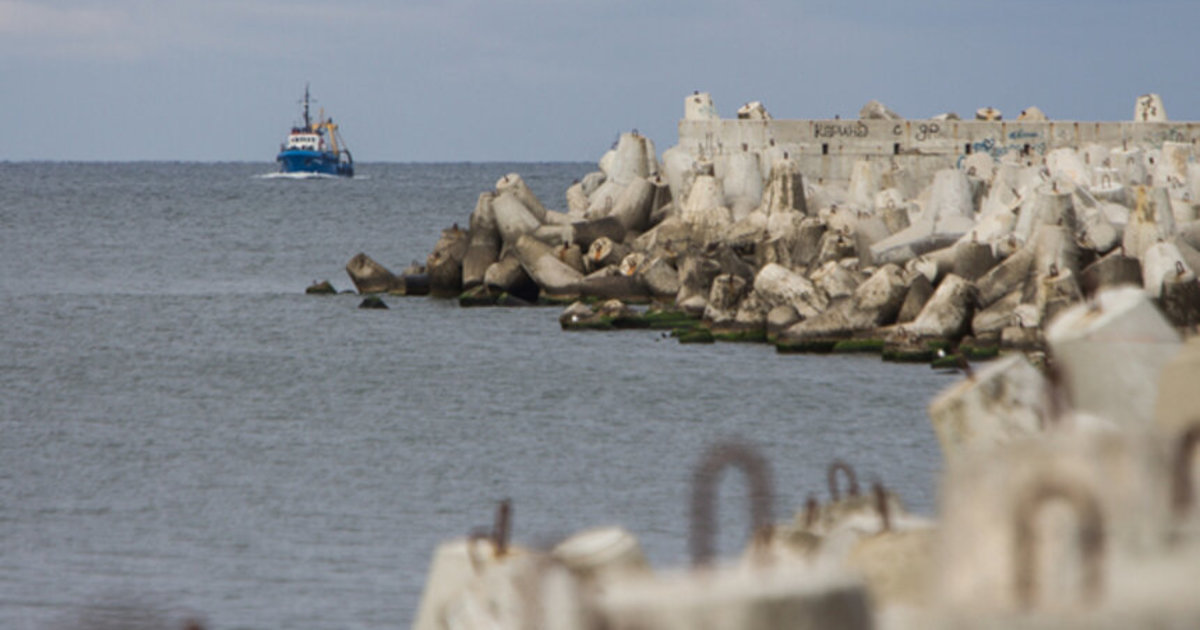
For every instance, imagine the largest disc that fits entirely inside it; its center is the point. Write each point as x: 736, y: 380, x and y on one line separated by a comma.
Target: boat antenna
x: 307, y: 120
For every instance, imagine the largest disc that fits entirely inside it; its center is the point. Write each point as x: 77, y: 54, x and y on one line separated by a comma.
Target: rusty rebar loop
x: 1183, y: 494
x: 881, y: 506
x: 1057, y: 394
x: 704, y: 490
x: 1090, y: 537
x: 502, y: 528
x: 811, y: 512
x: 831, y: 475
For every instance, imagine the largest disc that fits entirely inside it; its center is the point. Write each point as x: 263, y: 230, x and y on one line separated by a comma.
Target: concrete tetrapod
x: 483, y: 243
x: 874, y: 303
x: 1151, y: 221
x: 513, y: 217
x: 741, y: 180
x: 369, y: 276
x: 444, y: 263
x: 998, y: 404
x: 1177, y: 407
x: 948, y: 313
x: 948, y: 217
x: 555, y: 278
x: 752, y: 596
x: 515, y: 184
x: 991, y: 536
x: 784, y: 193
x: 781, y: 286
x: 1110, y: 354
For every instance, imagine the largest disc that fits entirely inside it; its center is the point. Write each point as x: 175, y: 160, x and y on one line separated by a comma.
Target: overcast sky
x: 530, y: 80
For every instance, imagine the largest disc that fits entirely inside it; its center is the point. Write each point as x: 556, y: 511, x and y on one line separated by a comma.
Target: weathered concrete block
x: 949, y: 215
x: 660, y: 277
x: 742, y: 181
x: 586, y: 232
x: 1055, y: 293
x: 514, y: 184
x: 781, y: 286
x: 993, y: 319
x: 1176, y: 406
x: 633, y: 205
x: 1180, y: 301
x: 555, y: 277
x: 727, y: 291
x: 513, y: 217
x: 1008, y: 543
x: 1163, y: 262
x: 704, y: 208
x: 1008, y: 276
x: 737, y: 599
x: 604, y: 252
x: 1000, y: 403
x: 973, y: 259
x: 577, y: 201
x: 1110, y: 354
x: 614, y: 287
x: 455, y: 565
x: 699, y: 106
x: 507, y: 275
x: 1152, y: 220
x: 785, y: 189
x: 920, y: 289
x: 601, y: 555
x: 369, y: 276
x: 629, y: 160
x: 483, y: 242
x: 444, y: 263
x: 1113, y: 270
x: 874, y: 303
x: 947, y: 315
x: 696, y: 274
x: 1149, y: 108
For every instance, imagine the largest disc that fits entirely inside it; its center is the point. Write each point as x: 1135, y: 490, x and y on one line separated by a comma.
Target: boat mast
x: 307, y: 121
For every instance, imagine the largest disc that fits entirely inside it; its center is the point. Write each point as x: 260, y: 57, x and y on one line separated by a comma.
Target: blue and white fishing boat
x: 315, y: 148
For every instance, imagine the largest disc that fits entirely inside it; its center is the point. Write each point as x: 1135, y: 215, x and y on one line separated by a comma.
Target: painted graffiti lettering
x: 926, y: 130
x: 844, y: 130
x: 988, y: 145
x: 1021, y: 134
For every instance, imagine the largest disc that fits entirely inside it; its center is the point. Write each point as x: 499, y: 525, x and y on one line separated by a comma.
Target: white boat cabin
x: 305, y: 141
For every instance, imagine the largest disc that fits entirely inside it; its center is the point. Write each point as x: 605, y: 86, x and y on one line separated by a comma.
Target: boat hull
x: 317, y: 162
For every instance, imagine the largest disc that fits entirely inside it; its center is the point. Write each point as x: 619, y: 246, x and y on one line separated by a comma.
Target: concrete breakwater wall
x: 825, y: 150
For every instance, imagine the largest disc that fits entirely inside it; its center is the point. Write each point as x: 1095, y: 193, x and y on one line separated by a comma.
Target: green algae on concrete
x: 696, y: 334
x: 857, y: 346
x: 918, y: 352
x: 806, y: 346
x: 321, y: 288
x: 590, y: 323
x: 979, y: 353
x: 476, y: 296
x: 750, y: 335
x: 658, y: 319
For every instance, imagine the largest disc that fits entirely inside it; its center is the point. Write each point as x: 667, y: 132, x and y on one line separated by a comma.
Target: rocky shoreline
x: 741, y: 245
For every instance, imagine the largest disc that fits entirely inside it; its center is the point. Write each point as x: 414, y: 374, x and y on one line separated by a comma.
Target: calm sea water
x: 184, y: 432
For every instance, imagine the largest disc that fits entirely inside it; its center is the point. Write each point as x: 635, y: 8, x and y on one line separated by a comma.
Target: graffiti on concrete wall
x: 998, y: 150
x: 841, y: 130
